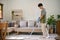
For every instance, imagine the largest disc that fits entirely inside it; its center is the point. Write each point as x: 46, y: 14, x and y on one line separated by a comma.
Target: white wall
x: 52, y: 7
x: 30, y: 8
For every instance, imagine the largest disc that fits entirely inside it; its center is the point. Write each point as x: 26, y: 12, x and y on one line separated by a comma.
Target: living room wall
x: 30, y: 8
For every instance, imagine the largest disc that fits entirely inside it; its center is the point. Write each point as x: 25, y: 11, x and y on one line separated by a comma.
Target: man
x: 43, y: 13
x: 43, y: 20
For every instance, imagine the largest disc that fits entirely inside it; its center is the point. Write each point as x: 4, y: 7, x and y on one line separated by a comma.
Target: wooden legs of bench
x: 17, y: 33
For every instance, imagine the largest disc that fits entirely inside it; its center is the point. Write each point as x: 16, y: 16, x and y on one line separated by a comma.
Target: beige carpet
x: 30, y: 37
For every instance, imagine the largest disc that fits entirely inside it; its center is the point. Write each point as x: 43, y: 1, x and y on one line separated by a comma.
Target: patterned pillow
x: 10, y: 24
x: 23, y: 23
x: 31, y: 23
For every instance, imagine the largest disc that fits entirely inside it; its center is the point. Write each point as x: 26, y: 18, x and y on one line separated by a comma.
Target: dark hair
x: 40, y: 4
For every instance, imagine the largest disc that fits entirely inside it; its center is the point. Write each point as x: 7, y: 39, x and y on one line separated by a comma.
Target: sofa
x: 25, y: 26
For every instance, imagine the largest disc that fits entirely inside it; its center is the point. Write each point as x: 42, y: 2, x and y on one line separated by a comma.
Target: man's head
x: 40, y: 5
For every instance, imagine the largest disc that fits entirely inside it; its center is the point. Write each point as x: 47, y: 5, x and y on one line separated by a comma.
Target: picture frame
x: 1, y: 11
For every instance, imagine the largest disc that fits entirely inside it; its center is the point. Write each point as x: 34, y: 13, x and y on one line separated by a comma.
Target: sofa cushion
x: 31, y: 23
x: 23, y: 23
x: 10, y: 24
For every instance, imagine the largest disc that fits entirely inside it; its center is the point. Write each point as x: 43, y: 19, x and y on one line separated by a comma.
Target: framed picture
x: 17, y: 14
x: 1, y: 11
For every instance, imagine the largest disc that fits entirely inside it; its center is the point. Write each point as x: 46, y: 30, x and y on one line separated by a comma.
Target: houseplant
x: 51, y: 22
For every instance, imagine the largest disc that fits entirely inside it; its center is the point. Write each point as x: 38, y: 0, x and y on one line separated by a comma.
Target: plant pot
x: 51, y: 30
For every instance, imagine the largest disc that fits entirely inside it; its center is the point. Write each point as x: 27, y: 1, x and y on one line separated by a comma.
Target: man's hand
x: 41, y: 17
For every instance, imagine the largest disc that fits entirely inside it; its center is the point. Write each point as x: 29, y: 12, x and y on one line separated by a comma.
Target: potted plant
x: 51, y: 22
